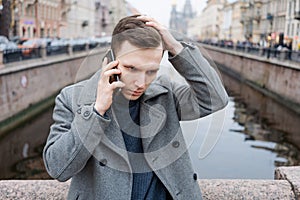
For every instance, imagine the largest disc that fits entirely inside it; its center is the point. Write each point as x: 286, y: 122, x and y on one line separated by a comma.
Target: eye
x: 130, y: 68
x: 152, y: 72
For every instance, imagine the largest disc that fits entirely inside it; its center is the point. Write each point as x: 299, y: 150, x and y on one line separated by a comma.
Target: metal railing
x: 19, y: 54
x: 267, y: 52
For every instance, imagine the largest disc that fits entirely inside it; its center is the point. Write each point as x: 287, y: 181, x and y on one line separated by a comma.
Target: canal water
x: 248, y: 139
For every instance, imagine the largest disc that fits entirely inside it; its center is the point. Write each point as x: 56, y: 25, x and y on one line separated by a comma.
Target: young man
x: 122, y: 139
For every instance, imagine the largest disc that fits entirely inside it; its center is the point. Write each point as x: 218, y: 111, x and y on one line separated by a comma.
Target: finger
x: 117, y: 84
x: 146, y: 18
x: 111, y: 72
x: 104, y: 62
x: 110, y: 65
x: 155, y: 25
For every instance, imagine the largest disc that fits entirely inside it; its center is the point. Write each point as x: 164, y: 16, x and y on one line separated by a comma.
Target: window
x: 28, y: 32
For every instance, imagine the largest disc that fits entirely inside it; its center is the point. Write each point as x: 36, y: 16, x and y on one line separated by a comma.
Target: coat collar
x: 152, y: 117
x: 89, y: 92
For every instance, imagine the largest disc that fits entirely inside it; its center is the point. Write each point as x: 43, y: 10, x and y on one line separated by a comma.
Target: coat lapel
x: 113, y: 138
x: 152, y: 116
x: 89, y: 92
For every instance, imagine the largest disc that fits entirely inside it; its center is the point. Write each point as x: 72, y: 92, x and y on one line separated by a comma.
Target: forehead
x: 126, y: 48
x: 129, y: 54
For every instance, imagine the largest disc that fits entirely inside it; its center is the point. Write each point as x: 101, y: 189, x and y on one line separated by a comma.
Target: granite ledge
x: 212, y: 189
x: 292, y: 175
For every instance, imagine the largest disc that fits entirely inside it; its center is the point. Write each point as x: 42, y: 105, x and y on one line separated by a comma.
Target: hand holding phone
x: 110, y: 57
x: 108, y: 82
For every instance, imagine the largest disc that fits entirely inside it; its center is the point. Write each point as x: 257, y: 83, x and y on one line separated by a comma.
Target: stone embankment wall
x: 26, y: 83
x: 285, y: 187
x: 278, y: 79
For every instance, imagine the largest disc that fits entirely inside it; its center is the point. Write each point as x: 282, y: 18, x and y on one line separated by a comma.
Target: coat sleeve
x: 72, y: 137
x: 204, y: 93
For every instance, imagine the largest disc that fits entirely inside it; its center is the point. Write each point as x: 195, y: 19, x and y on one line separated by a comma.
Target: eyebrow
x: 151, y: 69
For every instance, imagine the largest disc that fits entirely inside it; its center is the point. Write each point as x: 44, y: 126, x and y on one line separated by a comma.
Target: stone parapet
x: 292, y: 175
x: 286, y: 188
x: 33, y: 189
x: 238, y: 189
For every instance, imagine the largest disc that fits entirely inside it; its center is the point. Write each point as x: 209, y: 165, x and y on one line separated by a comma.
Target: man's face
x: 138, y: 67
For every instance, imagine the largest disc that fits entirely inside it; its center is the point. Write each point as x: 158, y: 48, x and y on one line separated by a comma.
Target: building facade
x: 261, y: 22
x: 38, y: 18
x: 292, y: 24
x: 231, y: 27
x: 61, y: 18
x: 80, y: 19
x: 210, y: 20
x: 118, y: 9
x: 102, y: 18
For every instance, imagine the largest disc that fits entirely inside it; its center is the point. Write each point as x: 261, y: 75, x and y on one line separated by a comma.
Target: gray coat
x: 90, y: 149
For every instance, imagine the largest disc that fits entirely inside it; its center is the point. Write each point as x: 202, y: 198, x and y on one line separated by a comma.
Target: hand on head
x: 170, y: 43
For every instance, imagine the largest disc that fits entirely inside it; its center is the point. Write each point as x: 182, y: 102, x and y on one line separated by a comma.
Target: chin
x: 132, y: 97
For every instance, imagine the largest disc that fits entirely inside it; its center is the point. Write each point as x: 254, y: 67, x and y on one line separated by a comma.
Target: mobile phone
x: 110, y: 57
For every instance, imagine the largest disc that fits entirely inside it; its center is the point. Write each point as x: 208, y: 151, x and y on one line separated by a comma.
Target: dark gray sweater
x: 146, y: 185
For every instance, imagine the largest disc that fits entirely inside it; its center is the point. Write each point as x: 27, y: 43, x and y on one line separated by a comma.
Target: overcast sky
x: 161, y: 9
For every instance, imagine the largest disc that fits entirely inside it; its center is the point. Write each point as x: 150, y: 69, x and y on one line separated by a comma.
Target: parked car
x: 3, y: 42
x: 57, y: 46
x: 31, y: 47
x: 11, y: 52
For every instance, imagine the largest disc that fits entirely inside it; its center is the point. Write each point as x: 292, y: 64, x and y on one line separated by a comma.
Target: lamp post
x: 36, y: 18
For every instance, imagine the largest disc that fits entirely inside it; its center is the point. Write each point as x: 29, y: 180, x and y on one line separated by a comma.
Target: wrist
x: 176, y: 48
x: 98, y: 110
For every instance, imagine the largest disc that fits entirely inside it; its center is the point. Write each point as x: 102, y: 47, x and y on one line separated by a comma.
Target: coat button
x: 79, y: 111
x: 175, y: 144
x: 103, y: 162
x: 86, y: 113
x: 195, y: 176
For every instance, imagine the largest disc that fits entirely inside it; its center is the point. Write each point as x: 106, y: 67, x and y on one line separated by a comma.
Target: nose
x: 140, y: 80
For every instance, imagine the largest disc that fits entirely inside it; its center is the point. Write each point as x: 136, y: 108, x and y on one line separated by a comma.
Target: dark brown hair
x: 134, y: 31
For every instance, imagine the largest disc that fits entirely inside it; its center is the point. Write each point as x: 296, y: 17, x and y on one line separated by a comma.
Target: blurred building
x: 80, y: 19
x: 38, y: 18
x: 102, y: 18
x: 61, y: 18
x: 210, y: 19
x: 179, y: 21
x: 118, y: 9
x: 251, y: 19
x: 292, y: 27
x: 275, y: 17
x: 231, y: 27
x: 262, y: 22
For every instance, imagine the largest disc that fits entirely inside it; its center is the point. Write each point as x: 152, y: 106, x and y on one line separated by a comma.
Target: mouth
x: 136, y: 92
